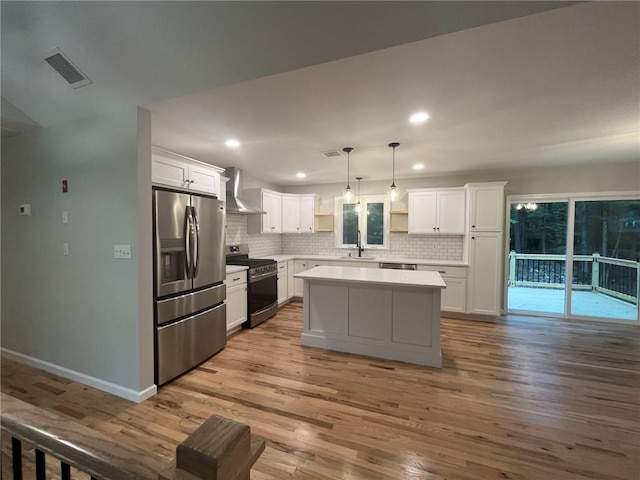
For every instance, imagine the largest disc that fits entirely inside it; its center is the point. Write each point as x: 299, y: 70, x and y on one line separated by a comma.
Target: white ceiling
x: 556, y: 87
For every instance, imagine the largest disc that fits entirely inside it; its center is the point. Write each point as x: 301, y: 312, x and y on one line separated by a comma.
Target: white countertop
x: 407, y: 278
x: 418, y: 261
x: 236, y: 268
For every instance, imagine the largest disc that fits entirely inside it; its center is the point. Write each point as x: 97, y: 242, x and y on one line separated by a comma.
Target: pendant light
x: 393, y: 190
x: 348, y: 194
x: 358, y: 205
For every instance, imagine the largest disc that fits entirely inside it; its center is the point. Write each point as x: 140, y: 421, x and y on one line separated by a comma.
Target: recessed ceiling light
x: 418, y: 166
x: 301, y: 175
x: 419, y: 117
x: 232, y: 143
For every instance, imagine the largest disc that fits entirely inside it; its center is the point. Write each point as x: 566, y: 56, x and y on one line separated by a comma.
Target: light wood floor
x: 530, y: 399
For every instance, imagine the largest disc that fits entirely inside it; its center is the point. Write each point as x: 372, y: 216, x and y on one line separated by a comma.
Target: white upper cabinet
x: 437, y: 211
x: 290, y: 214
x: 174, y: 170
x: 170, y: 172
x: 204, y: 179
x: 271, y: 203
x: 297, y: 213
x: 307, y: 213
x: 486, y: 207
x: 286, y: 212
x: 272, y: 220
x: 423, y: 212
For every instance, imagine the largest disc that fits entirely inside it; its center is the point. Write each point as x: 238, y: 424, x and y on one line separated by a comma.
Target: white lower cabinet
x: 485, y: 250
x: 454, y: 297
x: 283, y: 283
x: 290, y: 280
x: 236, y: 300
x: 298, y: 283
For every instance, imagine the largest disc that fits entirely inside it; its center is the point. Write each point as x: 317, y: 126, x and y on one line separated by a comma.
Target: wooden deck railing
x: 220, y: 449
x: 612, y: 276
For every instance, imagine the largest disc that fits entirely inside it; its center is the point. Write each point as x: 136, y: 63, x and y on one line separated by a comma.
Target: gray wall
x: 87, y: 312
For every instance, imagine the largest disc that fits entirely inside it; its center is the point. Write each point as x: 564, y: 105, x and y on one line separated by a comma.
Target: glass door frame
x: 538, y: 198
x: 572, y: 198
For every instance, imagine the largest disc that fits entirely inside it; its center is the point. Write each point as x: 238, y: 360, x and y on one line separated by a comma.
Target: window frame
x: 362, y: 222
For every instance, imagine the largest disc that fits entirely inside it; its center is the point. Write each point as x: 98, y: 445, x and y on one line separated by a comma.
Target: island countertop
x: 406, y: 278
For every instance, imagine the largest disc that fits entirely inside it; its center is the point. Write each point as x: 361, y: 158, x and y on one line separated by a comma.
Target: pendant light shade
x: 358, y: 205
x: 348, y: 194
x: 393, y: 189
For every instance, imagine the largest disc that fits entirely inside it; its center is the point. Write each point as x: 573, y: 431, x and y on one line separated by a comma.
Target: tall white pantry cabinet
x: 486, y: 220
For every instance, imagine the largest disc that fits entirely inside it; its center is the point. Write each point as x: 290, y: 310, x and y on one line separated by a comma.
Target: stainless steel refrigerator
x: 189, y: 271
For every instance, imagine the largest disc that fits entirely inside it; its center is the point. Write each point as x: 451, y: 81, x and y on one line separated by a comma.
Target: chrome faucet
x: 359, y: 244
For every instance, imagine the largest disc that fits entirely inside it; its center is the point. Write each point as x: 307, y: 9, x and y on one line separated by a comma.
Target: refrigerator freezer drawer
x: 177, y: 307
x: 184, y: 344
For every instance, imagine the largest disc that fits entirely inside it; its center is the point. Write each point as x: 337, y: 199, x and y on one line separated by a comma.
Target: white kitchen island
x: 393, y: 314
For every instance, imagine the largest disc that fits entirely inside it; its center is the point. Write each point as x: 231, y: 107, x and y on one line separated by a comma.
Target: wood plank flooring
x: 529, y: 398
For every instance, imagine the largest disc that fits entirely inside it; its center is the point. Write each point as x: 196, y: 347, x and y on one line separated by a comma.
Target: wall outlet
x: 65, y: 249
x: 25, y: 209
x: 122, y: 251
x: 65, y: 217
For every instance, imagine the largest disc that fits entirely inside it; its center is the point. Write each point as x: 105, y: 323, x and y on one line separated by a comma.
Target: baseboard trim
x: 115, y: 389
x: 476, y: 317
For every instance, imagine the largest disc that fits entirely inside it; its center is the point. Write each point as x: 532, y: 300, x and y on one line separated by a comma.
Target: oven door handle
x: 262, y: 276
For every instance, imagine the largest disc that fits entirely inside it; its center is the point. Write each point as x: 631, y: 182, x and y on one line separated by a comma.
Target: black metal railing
x: 611, y: 276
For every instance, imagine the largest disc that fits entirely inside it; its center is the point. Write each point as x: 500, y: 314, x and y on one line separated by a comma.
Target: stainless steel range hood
x: 234, y: 200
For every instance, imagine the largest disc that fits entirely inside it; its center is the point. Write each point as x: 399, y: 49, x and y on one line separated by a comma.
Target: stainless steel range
x: 262, y: 284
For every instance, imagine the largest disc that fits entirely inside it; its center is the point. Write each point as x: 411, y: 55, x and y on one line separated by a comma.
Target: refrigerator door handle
x: 196, y: 236
x: 188, y: 228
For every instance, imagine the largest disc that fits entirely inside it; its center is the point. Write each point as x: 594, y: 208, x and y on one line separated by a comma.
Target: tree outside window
x: 371, y: 222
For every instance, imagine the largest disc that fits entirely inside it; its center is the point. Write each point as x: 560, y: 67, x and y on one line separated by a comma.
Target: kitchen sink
x: 358, y: 258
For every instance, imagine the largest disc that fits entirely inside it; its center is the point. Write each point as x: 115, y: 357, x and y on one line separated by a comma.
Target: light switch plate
x: 65, y: 217
x: 65, y: 249
x: 122, y: 251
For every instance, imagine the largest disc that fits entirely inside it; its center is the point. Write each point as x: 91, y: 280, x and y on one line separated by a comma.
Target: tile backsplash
x: 259, y: 245
x: 402, y: 245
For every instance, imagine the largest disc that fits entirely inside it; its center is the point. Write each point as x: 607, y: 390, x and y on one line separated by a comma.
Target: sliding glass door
x: 606, y: 250
x: 600, y: 263
x: 538, y: 257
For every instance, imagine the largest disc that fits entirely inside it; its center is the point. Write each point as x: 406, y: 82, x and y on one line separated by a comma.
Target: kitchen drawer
x: 445, y: 271
x: 236, y: 278
x: 282, y: 268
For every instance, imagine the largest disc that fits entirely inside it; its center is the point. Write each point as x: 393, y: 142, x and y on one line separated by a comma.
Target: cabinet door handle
x: 473, y: 226
x: 473, y: 238
x: 442, y: 271
x: 235, y: 279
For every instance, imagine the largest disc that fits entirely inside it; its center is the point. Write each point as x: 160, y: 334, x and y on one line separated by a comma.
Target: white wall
x: 86, y: 312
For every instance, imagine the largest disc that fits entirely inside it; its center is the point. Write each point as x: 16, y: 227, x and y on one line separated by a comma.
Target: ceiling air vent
x: 65, y: 67
x: 332, y: 153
